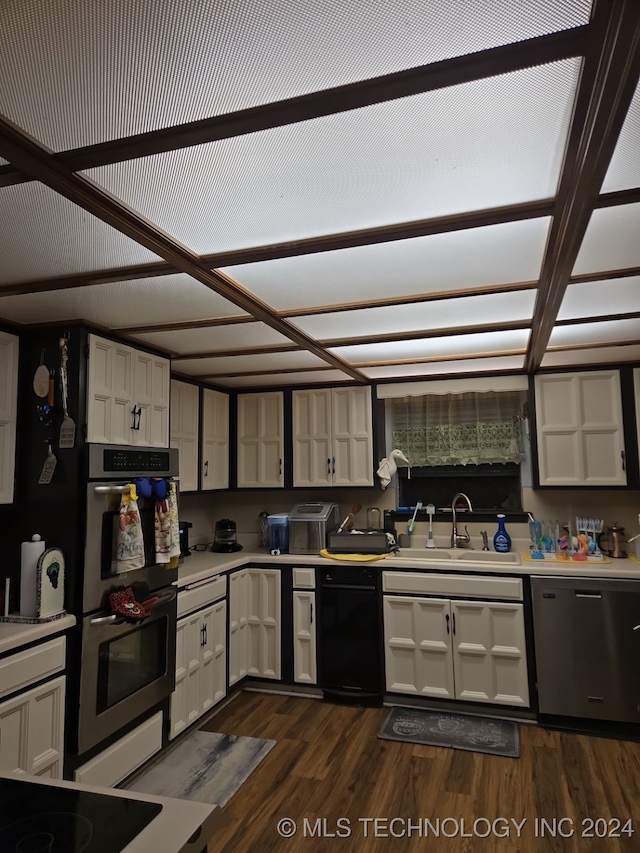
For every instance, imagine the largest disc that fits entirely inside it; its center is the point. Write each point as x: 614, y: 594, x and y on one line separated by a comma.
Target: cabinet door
x: 151, y: 390
x: 238, y: 627
x: 417, y: 643
x: 304, y: 637
x: 264, y: 622
x: 313, y: 458
x: 489, y: 657
x: 215, y: 440
x: 213, y: 685
x: 260, y: 440
x: 352, y: 436
x: 579, y: 429
x: 178, y: 712
x: 185, y: 401
x: 8, y: 412
x: 110, y: 400
x: 32, y: 731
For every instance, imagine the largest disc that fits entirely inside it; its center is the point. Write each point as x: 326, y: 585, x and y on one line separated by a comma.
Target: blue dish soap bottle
x: 502, y: 540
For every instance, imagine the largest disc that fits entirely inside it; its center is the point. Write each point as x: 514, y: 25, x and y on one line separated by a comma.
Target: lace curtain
x: 459, y: 429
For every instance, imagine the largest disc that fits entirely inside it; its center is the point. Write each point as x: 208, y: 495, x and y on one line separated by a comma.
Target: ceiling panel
x: 483, y: 144
x: 102, y: 69
x: 237, y: 336
x: 413, y: 317
x: 453, y: 346
x: 248, y: 363
x: 477, y: 257
x: 599, y: 298
x: 318, y: 377
x: 598, y: 355
x: 611, y: 240
x: 624, y: 169
x: 596, y: 333
x: 45, y: 235
x: 118, y: 304
x: 476, y: 365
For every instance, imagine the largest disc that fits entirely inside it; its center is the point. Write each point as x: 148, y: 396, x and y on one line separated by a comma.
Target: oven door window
x: 129, y: 662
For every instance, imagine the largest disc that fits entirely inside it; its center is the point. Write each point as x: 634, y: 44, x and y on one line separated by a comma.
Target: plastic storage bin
x: 279, y: 533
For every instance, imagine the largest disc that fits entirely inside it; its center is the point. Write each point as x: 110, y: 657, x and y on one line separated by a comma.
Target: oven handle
x: 114, y: 619
x: 111, y: 490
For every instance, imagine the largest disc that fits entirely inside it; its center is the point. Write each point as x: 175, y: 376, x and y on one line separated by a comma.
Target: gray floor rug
x: 455, y: 731
x: 206, y: 767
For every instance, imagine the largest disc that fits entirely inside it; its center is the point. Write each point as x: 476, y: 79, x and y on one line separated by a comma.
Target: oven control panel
x: 112, y: 461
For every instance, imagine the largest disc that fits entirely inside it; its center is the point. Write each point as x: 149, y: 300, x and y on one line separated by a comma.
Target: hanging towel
x: 167, y: 528
x: 130, y: 550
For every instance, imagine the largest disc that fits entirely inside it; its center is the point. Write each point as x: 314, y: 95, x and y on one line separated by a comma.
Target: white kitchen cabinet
x: 200, y: 660
x: 127, y: 395
x: 332, y: 437
x: 579, y: 429
x: 304, y: 637
x: 261, y: 440
x: 9, y: 345
x: 215, y: 440
x: 183, y: 431
x: 636, y: 387
x: 463, y: 650
x: 254, y: 624
x: 32, y: 731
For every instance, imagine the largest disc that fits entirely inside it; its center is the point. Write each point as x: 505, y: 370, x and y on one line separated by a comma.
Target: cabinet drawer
x: 469, y: 586
x: 124, y: 756
x: 201, y: 594
x: 304, y: 578
x: 24, y: 668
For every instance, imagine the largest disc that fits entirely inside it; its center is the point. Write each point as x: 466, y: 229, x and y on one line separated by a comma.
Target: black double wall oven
x: 126, y: 669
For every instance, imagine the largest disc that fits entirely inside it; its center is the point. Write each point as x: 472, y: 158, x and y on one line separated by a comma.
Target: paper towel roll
x: 31, y: 552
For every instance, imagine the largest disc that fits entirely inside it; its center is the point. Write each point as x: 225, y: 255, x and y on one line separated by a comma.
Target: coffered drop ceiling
x: 295, y: 193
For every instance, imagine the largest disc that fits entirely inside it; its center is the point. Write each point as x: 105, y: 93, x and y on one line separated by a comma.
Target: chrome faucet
x: 459, y: 540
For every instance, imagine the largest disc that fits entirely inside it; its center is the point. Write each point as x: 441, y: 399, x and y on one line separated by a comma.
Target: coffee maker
x: 184, y: 527
x: 225, y: 539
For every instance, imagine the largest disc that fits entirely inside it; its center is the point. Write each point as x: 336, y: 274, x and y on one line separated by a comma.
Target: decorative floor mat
x: 455, y: 731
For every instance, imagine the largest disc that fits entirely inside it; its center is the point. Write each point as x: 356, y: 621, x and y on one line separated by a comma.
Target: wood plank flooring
x: 328, y: 765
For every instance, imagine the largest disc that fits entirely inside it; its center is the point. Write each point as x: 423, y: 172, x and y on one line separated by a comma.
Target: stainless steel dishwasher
x: 587, y: 643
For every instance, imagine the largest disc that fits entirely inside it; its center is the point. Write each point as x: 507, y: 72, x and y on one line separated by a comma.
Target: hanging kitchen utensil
x: 41, y: 378
x: 49, y: 466
x: 68, y: 426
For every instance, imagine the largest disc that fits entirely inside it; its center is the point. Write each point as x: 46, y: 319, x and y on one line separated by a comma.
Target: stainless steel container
x: 309, y: 524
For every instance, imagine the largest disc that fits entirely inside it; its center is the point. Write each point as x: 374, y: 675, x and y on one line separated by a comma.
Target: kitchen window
x: 472, y: 442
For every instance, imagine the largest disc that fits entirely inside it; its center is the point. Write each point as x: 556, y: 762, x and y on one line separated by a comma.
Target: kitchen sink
x: 463, y: 555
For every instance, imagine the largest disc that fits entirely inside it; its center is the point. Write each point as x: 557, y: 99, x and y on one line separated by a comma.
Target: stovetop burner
x: 45, y: 819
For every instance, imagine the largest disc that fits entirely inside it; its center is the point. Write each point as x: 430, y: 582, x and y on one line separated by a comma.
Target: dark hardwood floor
x: 328, y: 764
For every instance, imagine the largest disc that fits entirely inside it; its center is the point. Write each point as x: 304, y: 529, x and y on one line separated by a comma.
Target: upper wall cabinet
x: 579, y: 429
x: 183, y: 421
x: 214, y: 472
x: 636, y: 386
x: 127, y: 395
x: 261, y: 440
x: 332, y: 437
x: 8, y: 406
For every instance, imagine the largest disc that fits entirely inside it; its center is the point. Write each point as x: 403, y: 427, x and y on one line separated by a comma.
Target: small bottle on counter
x: 501, y: 540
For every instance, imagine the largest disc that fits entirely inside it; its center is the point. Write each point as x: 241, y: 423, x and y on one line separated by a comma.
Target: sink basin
x: 427, y: 555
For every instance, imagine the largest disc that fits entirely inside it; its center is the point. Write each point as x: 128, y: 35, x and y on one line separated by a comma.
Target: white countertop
x: 169, y: 832
x: 201, y: 565
x: 13, y: 635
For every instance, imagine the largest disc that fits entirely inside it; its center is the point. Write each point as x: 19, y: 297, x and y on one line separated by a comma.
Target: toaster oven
x: 309, y: 524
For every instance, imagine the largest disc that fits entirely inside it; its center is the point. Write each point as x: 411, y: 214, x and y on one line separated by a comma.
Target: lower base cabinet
x: 304, y: 637
x: 201, y: 669
x: 456, y: 649
x: 32, y: 731
x: 255, y: 606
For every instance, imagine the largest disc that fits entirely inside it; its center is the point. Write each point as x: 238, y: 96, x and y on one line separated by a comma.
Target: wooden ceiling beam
x: 339, y: 99
x: 607, y: 84
x: 31, y: 157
